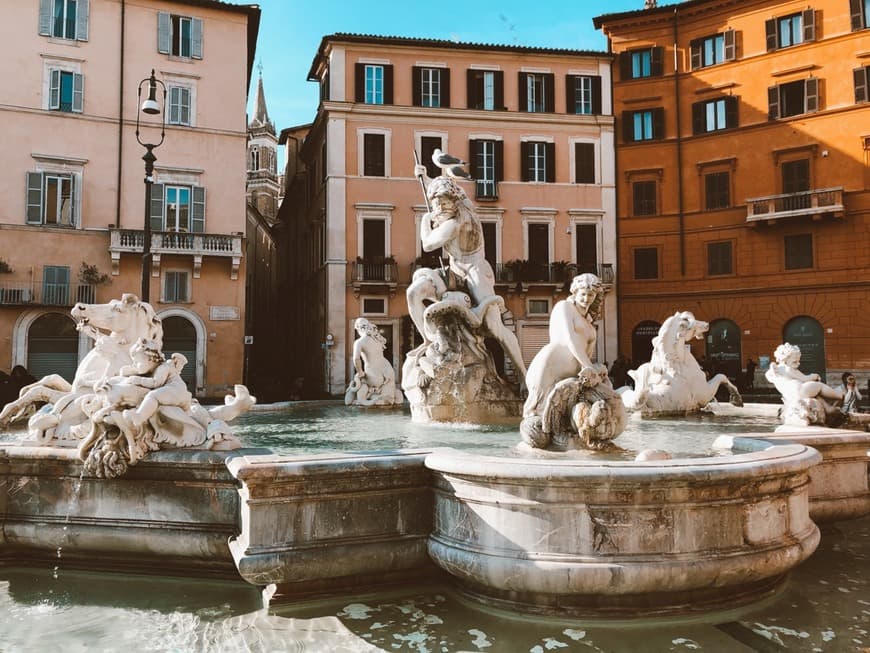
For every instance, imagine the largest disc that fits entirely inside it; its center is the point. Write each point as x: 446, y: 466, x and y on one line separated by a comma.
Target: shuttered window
x: 179, y: 107
x: 644, y: 125
x: 66, y: 91
x: 793, y: 98
x: 714, y: 115
x: 486, y: 167
x: 859, y: 11
x: 374, y: 163
x: 719, y: 258
x: 538, y: 161
x: 176, y: 287
x: 798, y: 251
x: 644, y: 197
x: 790, y: 30
x: 646, y: 62
x: 714, y: 49
x: 51, y: 198
x: 862, y: 83
x: 646, y: 263
x: 373, y: 83
x: 428, y: 144
x: 717, y: 190
x: 584, y: 163
x: 177, y: 208
x: 485, y: 89
x: 430, y: 86
x: 536, y: 92
x: 583, y: 94
x: 179, y: 36
x: 64, y: 19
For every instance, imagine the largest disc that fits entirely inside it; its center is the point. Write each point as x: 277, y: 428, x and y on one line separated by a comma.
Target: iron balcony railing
x: 34, y: 293
x: 552, y: 273
x: 485, y: 190
x: 375, y: 273
x: 790, y: 205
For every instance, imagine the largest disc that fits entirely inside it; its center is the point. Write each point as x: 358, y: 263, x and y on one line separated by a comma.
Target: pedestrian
x: 851, y: 394
x: 750, y: 373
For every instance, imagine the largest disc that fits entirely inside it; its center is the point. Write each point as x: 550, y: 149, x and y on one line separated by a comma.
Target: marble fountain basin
x: 616, y: 538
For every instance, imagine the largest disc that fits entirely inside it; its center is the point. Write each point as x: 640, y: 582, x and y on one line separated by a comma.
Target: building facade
x: 742, y: 183
x: 73, y: 222
x: 536, y: 128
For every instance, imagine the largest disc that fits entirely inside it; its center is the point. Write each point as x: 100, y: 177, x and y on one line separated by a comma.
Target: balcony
x: 485, y: 190
x: 196, y: 245
x: 375, y: 276
x: 522, y: 275
x: 34, y: 293
x: 813, y: 203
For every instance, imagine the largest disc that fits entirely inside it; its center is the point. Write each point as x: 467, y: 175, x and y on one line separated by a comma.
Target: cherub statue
x: 807, y: 399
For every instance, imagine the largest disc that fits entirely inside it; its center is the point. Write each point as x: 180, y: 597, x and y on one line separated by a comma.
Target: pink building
x: 72, y: 174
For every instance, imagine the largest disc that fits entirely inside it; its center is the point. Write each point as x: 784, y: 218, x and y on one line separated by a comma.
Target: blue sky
x: 290, y: 32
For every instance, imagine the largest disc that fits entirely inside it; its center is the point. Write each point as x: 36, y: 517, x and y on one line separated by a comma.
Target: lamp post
x: 152, y: 108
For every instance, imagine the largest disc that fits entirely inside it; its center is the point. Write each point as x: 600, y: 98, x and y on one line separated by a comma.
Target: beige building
x: 535, y: 125
x: 72, y: 175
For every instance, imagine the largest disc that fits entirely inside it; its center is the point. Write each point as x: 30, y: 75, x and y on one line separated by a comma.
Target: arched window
x: 53, y: 346
x: 255, y: 158
x: 807, y: 333
x: 723, y: 348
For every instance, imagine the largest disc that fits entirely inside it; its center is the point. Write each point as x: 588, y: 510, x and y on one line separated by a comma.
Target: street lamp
x: 152, y: 108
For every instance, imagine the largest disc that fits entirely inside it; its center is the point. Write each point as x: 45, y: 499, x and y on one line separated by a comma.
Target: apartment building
x: 73, y: 223
x: 536, y: 128
x: 743, y: 177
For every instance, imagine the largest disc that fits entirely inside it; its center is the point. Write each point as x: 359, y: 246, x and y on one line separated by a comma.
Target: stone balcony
x: 816, y: 204
x: 196, y: 245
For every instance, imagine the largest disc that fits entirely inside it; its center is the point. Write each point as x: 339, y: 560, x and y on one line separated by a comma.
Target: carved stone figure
x: 374, y: 381
x: 452, y: 376
x: 125, y: 400
x: 673, y: 381
x: 806, y: 399
x: 571, y: 403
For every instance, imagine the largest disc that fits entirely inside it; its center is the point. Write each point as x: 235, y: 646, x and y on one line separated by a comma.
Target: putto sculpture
x: 806, y: 399
x: 126, y: 398
x: 571, y: 403
x: 672, y: 382
x: 452, y: 376
x: 374, y: 380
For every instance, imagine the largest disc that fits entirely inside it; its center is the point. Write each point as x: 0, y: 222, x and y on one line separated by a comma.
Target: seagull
x: 450, y: 165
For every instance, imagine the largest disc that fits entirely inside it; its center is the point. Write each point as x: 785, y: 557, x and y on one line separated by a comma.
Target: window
x: 799, y: 252
x: 177, y: 208
x: 55, y: 285
x: 583, y: 94
x: 796, y: 176
x: 538, y: 161
x: 64, y: 19
x: 51, y: 199
x: 539, y: 307
x: 485, y: 89
x: 374, y: 83
x: 431, y: 87
x: 536, y: 92
x: 175, y: 287
x: 712, y: 50
x: 584, y: 163
x: 714, y: 115
x: 538, y: 235
x: 66, y: 91
x: 487, y: 168
x: 179, y: 107
x: 490, y: 242
x: 644, y: 125
x: 862, y: 83
x: 374, y: 161
x: 646, y: 263
x: 719, y: 258
x: 429, y: 144
x: 254, y: 163
x: 717, y: 190
x: 794, y: 29
x: 793, y: 98
x: 179, y: 36
x: 636, y: 64
x: 860, y: 13
x: 586, y: 246
x: 374, y: 305
x: 644, y: 197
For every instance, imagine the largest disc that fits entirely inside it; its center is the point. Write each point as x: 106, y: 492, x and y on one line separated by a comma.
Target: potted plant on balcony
x: 5, y: 268
x: 89, y: 278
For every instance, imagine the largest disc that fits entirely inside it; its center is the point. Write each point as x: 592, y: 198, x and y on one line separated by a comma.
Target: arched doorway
x: 53, y: 346
x: 641, y: 342
x: 179, y: 336
x: 807, y: 333
x: 723, y: 348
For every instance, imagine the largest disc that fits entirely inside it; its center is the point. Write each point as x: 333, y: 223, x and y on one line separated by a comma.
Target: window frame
x: 78, y: 25
x: 486, y: 185
x: 795, y: 251
x: 171, y: 40
x: 374, y: 84
x: 709, y: 197
x: 720, y: 264
x: 637, y: 269
x: 547, y: 301
x: 476, y: 96
x: 641, y: 63
x: 183, y: 276
x: 538, y: 161
x: 379, y: 298
x: 656, y: 121
x: 532, y: 83
x: 859, y: 11
x: 430, y: 86
x: 801, y: 26
x: 179, y: 107
x: 724, y: 115
x: 779, y: 98
x: 646, y: 200
x: 37, y: 193
x: 591, y: 150
x: 362, y: 163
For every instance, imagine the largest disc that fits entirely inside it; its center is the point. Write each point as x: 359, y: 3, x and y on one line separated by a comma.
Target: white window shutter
x: 184, y: 106
x: 45, y: 17
x: 34, y: 198
x: 198, y: 222
x: 78, y: 92
x: 82, y: 13
x: 196, y: 38
x: 54, y: 89
x: 164, y: 32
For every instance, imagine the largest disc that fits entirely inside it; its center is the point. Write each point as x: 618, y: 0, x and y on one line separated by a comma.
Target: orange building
x: 535, y: 126
x: 72, y: 225
x: 743, y: 191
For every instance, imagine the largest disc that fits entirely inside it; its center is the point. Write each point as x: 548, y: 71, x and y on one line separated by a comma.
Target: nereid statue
x: 571, y: 403
x: 672, y: 382
x: 807, y: 400
x: 126, y: 399
x: 374, y: 381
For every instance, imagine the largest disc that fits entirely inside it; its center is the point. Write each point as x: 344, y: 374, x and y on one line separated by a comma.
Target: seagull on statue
x: 450, y: 165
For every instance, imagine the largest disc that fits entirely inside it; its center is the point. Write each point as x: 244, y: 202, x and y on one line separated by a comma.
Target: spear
x: 428, y: 209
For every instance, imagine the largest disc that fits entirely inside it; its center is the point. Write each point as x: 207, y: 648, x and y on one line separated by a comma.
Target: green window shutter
x: 164, y: 32
x: 75, y: 183
x: 658, y: 123
x: 198, y: 222
x: 54, y: 90
x: 625, y: 65
x: 78, y: 92
x: 860, y: 75
x: 196, y: 38
x: 82, y: 13
x: 34, y: 198
x: 156, y: 211
x: 45, y: 17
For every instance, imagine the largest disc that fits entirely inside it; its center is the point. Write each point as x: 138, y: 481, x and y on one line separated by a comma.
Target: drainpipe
x: 120, y: 119
x: 615, y: 199
x: 682, y: 225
